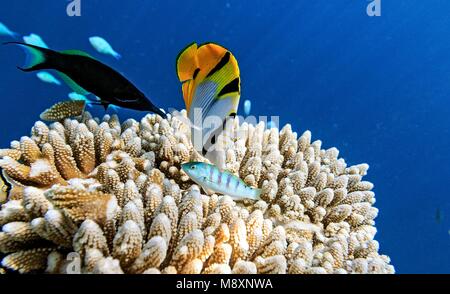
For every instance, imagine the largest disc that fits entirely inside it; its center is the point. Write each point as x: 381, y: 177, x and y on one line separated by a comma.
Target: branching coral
x: 113, y: 198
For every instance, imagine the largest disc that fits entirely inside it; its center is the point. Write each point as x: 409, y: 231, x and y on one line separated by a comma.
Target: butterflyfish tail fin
x: 38, y: 58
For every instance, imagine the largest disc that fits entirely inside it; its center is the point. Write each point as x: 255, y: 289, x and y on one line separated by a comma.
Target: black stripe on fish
x: 197, y: 70
x: 228, y: 180
x: 211, y: 141
x: 221, y: 64
x: 5, y: 182
x: 231, y: 87
x: 211, y: 172
x: 238, y: 183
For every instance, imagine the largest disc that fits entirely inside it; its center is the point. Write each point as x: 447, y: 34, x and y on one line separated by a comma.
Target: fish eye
x: 193, y: 167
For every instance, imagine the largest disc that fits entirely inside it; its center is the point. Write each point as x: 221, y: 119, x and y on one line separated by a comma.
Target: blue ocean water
x: 377, y: 88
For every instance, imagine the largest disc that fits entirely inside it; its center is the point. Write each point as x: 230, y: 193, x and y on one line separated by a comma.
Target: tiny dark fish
x: 84, y: 74
x: 438, y: 216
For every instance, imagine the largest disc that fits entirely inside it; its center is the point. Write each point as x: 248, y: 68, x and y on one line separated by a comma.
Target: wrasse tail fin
x: 258, y: 193
x: 37, y: 58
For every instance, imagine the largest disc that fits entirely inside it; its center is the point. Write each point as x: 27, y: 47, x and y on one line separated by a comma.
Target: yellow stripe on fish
x: 211, y: 83
x: 212, y: 179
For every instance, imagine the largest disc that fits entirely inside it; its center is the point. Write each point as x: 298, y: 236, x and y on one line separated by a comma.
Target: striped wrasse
x: 212, y: 179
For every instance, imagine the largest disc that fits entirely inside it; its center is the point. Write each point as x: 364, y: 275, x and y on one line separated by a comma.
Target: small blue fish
x: 247, y: 107
x: 212, y: 179
x: 47, y: 77
x: 75, y: 96
x: 4, y: 30
x: 35, y: 40
x: 439, y: 217
x: 102, y: 46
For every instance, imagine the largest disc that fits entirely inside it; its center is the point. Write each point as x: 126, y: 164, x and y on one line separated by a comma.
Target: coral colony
x: 115, y: 196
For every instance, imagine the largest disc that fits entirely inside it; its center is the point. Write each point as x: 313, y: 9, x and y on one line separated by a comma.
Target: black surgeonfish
x: 84, y: 74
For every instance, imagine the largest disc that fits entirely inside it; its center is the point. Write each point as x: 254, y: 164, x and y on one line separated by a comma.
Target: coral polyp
x: 114, y: 195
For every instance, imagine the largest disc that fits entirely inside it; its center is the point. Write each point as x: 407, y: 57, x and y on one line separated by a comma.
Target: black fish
x: 84, y: 75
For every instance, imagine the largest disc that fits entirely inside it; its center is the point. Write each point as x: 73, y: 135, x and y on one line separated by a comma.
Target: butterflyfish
x: 4, y: 30
x: 5, y: 187
x: 86, y: 75
x: 211, y: 87
x: 102, y: 46
x: 47, y: 77
x: 211, y: 179
x: 63, y: 110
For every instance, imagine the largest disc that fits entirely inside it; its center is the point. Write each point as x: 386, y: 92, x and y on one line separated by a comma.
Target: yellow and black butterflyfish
x: 86, y: 75
x: 5, y: 187
x: 211, y: 84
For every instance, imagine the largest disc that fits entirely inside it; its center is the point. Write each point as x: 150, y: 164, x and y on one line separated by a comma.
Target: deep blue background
x: 376, y: 88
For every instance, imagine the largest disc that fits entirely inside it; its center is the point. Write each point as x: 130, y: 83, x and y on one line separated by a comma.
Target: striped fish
x: 210, y: 178
x: 5, y: 187
x: 211, y: 87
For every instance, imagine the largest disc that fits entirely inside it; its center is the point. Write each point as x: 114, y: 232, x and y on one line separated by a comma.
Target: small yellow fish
x: 5, y: 187
x: 63, y: 110
x: 212, y: 179
x: 211, y: 87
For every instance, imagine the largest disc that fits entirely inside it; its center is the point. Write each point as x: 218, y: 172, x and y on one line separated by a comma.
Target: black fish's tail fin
x: 37, y: 57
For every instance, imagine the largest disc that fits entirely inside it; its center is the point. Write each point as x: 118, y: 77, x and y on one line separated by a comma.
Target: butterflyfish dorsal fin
x: 187, y: 63
x: 209, y: 57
